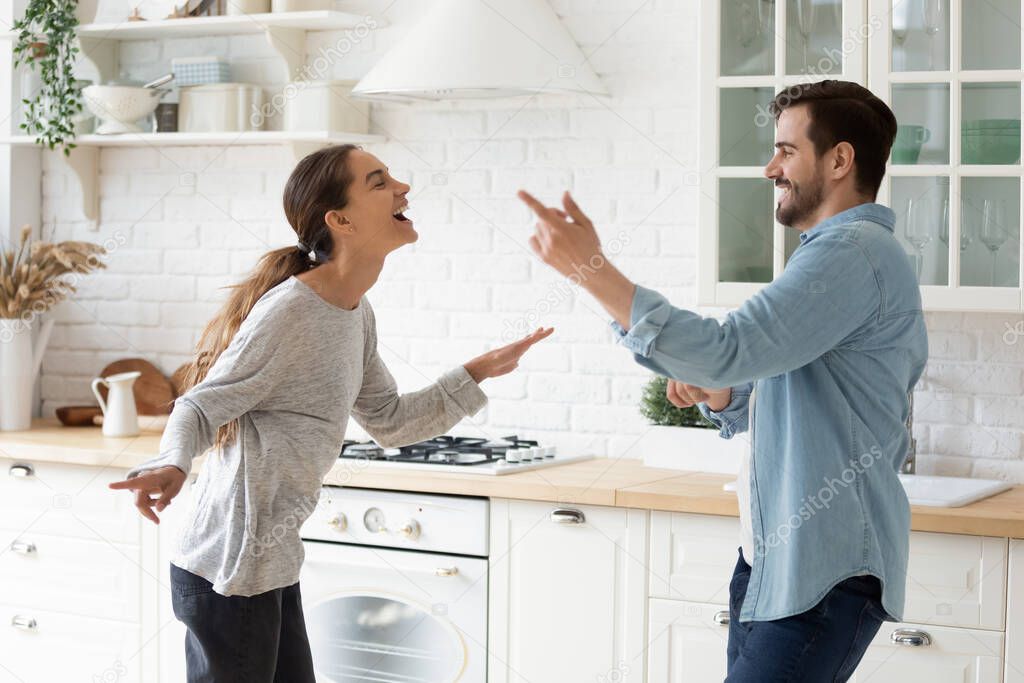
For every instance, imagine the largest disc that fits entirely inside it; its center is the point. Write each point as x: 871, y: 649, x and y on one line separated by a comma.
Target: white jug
x: 119, y: 415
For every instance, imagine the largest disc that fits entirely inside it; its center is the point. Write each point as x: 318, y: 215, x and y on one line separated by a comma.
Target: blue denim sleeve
x: 732, y: 419
x: 823, y: 299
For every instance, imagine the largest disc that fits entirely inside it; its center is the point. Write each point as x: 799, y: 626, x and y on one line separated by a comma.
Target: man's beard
x: 802, y: 203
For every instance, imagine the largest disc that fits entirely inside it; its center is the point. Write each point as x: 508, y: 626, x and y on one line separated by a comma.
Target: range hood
x: 465, y: 49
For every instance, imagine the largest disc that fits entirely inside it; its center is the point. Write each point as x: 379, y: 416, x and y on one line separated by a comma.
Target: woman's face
x: 372, y: 222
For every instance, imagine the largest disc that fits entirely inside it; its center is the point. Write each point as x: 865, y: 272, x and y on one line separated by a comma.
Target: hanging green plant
x: 46, y: 41
x: 655, y: 406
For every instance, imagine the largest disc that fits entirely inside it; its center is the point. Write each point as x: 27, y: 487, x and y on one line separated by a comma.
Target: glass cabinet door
x: 755, y: 48
x: 951, y: 70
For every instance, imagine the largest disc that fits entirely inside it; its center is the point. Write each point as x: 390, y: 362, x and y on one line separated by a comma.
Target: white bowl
x: 119, y: 107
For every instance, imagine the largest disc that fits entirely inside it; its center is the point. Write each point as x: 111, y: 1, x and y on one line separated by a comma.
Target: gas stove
x: 462, y: 454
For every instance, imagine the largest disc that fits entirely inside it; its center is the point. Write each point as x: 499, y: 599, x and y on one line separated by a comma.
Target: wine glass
x: 917, y: 231
x: 931, y: 13
x: 966, y: 230
x: 993, y: 232
x: 805, y: 23
x: 900, y: 27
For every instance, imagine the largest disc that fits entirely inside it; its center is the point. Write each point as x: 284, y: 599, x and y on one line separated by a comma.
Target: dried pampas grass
x: 33, y: 278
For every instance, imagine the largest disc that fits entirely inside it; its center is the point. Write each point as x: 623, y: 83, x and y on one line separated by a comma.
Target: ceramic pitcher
x: 119, y: 415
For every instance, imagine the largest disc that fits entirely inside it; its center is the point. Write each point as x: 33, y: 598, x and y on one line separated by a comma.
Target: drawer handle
x: 23, y: 547
x: 446, y: 571
x: 24, y: 623
x: 567, y: 516
x: 910, y: 637
x: 21, y: 470
x: 721, y: 618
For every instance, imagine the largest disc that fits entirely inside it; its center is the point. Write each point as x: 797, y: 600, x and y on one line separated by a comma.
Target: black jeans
x: 825, y: 643
x: 236, y: 639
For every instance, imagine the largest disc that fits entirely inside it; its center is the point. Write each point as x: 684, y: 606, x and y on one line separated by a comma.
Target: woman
x: 276, y: 375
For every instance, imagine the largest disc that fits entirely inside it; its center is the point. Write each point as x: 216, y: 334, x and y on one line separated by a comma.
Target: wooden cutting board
x: 154, y: 394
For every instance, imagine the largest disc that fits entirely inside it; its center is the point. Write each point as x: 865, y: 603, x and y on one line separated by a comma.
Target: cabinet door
x: 693, y: 556
x: 751, y: 50
x: 568, y: 593
x: 956, y: 580
x: 688, y: 642
x: 45, y: 647
x: 951, y: 71
x: 1015, y: 614
x: 952, y: 655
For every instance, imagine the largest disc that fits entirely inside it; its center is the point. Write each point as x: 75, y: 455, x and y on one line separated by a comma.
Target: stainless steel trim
x: 23, y: 547
x: 568, y: 516
x: 23, y: 622
x: 911, y: 637
x: 21, y: 470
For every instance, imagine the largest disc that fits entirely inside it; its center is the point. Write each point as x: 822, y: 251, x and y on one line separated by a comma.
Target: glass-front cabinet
x: 950, y: 69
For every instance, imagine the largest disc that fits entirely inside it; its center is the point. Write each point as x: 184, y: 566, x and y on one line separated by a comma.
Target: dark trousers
x: 821, y: 645
x: 236, y: 639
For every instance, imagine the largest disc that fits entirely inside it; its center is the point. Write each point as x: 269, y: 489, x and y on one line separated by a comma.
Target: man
x: 831, y: 350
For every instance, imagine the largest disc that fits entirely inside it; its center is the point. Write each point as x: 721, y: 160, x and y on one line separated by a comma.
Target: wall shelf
x: 221, y: 26
x: 84, y: 158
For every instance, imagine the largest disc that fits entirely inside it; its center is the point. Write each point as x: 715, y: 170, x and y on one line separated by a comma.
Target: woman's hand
x: 505, y: 359
x: 683, y: 395
x: 165, y: 481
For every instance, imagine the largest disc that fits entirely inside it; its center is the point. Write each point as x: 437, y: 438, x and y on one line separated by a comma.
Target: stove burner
x: 441, y: 450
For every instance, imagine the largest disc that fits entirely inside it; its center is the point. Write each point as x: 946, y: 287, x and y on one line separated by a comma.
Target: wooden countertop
x: 601, y: 481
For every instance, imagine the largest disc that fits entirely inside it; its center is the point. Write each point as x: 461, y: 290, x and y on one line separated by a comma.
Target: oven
x: 394, y: 587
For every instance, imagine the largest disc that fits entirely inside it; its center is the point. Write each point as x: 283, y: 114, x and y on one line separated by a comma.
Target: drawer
x: 693, y: 556
x: 688, y: 642
x: 67, y: 500
x: 87, y: 578
x: 61, y: 647
x: 955, y: 655
x: 952, y: 579
x: 956, y: 580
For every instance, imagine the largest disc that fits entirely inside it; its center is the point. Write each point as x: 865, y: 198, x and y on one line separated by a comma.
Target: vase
x: 19, y: 365
x: 694, y: 449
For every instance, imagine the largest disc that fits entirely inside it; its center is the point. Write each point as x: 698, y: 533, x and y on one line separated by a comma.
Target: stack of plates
x: 991, y: 141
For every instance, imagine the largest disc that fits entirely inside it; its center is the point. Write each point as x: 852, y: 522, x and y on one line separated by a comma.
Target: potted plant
x: 33, y: 279
x: 681, y: 438
x: 46, y: 41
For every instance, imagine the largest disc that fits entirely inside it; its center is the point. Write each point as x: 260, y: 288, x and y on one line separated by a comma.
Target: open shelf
x: 190, y: 27
x: 258, y: 137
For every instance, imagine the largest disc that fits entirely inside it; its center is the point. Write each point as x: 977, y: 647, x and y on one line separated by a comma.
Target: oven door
x: 383, y: 615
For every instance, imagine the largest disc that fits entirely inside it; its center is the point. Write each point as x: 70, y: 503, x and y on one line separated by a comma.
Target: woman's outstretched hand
x: 504, y: 359
x: 165, y: 481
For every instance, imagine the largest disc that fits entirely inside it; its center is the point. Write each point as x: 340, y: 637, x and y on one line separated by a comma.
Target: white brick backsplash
x: 184, y: 222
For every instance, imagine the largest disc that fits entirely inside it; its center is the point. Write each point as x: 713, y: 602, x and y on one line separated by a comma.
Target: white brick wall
x: 192, y: 220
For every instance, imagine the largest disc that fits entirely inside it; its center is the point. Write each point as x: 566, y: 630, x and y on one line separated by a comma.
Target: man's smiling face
x: 797, y: 170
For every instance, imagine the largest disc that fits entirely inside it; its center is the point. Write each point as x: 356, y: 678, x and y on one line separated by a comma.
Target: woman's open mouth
x: 399, y: 216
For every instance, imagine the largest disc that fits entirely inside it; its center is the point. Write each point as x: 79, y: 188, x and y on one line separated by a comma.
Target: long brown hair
x: 318, y: 184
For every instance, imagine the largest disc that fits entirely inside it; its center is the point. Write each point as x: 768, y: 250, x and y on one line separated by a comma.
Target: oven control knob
x: 410, y: 529
x: 338, y: 522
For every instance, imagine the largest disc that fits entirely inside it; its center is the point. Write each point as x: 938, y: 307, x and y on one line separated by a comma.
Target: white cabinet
x: 568, y: 593
x: 1014, y: 669
x: 71, y: 607
x: 956, y: 598
x: 688, y: 642
x: 953, y: 655
x: 951, y: 72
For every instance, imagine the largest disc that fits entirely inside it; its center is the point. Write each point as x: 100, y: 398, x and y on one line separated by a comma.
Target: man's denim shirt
x: 833, y: 346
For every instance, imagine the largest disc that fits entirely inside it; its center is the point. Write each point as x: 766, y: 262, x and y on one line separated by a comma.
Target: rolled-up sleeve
x: 827, y: 293
x: 732, y: 419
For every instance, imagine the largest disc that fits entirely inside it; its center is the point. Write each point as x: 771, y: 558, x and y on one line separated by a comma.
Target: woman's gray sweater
x: 293, y: 373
